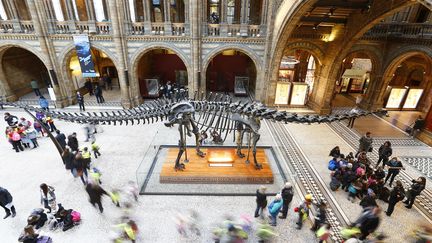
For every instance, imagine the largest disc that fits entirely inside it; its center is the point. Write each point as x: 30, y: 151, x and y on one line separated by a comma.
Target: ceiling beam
x: 324, y: 20
x: 341, y: 4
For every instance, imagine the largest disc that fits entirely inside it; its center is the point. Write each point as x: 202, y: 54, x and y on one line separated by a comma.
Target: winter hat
x: 349, y: 165
x: 288, y: 185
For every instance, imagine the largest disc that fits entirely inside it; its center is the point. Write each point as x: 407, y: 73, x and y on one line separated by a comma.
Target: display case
x: 299, y: 94
x: 412, y: 99
x: 282, y: 93
x: 286, y: 75
x: 241, y: 85
x: 149, y: 88
x: 396, y: 97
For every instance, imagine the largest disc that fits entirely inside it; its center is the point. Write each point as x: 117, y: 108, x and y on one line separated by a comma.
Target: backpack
x: 44, y: 239
x: 332, y: 165
x: 76, y: 216
x: 15, y: 136
x: 334, y: 184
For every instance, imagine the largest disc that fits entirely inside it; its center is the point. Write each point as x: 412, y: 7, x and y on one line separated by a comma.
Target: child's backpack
x: 334, y: 184
x: 332, y: 165
x: 76, y: 216
x: 44, y: 239
x: 352, y: 189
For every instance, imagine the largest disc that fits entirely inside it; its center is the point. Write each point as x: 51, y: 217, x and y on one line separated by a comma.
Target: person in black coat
x: 287, y: 196
x: 98, y: 94
x: 73, y: 142
x: 396, y: 195
x: 61, y: 139
x: 261, y: 201
x: 368, y: 221
x: 68, y: 159
x: 335, y: 152
x: 320, y: 218
x: 95, y: 193
x: 369, y: 201
x: 11, y: 120
x: 395, y: 165
x: 416, y: 188
x: 6, y: 203
x: 80, y: 100
x: 385, y: 151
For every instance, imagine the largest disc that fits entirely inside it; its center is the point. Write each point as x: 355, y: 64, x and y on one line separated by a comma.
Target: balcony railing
x: 138, y: 28
x: 234, y: 30
x: 400, y: 30
x: 10, y: 26
x: 27, y: 27
x: 62, y: 27
x: 157, y: 28
x: 213, y: 30
x: 103, y: 28
x: 82, y: 27
x: 178, y: 29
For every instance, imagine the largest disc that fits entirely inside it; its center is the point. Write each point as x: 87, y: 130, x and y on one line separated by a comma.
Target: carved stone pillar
x: 116, y: 8
x: 47, y: 47
x: 14, y: 18
x: 244, y: 21
x: 147, y: 16
x: 223, y: 18
x: 70, y: 17
x: 91, y: 16
x: 167, y: 17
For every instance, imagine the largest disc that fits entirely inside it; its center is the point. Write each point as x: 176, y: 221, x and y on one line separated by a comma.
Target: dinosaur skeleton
x: 216, y: 112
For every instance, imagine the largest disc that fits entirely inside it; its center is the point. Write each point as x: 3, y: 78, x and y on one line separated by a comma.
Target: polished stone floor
x: 126, y: 156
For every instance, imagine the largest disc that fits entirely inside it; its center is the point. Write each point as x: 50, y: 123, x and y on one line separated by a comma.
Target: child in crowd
x: 95, y: 148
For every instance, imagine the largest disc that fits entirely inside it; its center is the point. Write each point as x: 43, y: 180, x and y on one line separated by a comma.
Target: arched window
x: 3, y: 14
x: 58, y: 11
x: 100, y: 8
x: 310, y: 74
x: 132, y: 10
x: 214, y: 11
x: 177, y: 11
x: 157, y: 13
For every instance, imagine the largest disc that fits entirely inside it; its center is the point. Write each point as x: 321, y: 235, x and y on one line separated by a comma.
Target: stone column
x: 14, y: 18
x: 147, y: 16
x: 51, y: 17
x: 70, y: 17
x: 244, y: 21
x: 167, y: 17
x: 223, y: 18
x: 116, y: 10
x: 194, y: 74
x: 263, y: 24
x: 90, y: 16
x: 47, y: 47
x: 186, y: 17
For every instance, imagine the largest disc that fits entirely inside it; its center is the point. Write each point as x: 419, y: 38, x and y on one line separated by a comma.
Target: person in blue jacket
x: 274, y: 208
x: 43, y: 103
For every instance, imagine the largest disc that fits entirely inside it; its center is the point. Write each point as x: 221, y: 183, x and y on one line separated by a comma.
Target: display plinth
x: 220, y: 166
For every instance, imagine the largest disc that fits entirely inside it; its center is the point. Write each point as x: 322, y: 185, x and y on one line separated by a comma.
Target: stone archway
x: 257, y: 86
x: 14, y: 80
x: 70, y: 76
x: 223, y: 66
x: 394, y: 63
x: 158, y: 67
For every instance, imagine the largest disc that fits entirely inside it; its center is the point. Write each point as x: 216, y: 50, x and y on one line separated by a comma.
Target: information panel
x: 282, y: 93
x: 396, y: 97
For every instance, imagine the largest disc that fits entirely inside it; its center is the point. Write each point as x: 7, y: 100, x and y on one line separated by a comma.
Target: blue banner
x: 82, y: 46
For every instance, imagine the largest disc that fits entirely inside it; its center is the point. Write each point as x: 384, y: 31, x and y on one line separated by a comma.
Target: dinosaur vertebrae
x: 160, y: 109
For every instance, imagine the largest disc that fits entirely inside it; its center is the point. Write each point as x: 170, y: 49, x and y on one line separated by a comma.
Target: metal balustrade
x: 400, y: 30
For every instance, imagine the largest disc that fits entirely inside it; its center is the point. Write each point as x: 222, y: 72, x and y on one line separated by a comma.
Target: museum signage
x: 82, y: 46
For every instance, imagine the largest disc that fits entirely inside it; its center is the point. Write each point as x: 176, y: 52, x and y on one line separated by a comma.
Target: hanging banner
x: 82, y: 46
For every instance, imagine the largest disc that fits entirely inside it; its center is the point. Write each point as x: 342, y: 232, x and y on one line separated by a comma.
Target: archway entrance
x: 354, y: 80
x: 407, y: 90
x: 160, y: 68
x: 296, y: 76
x: 106, y: 76
x: 231, y: 71
x: 19, y: 68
